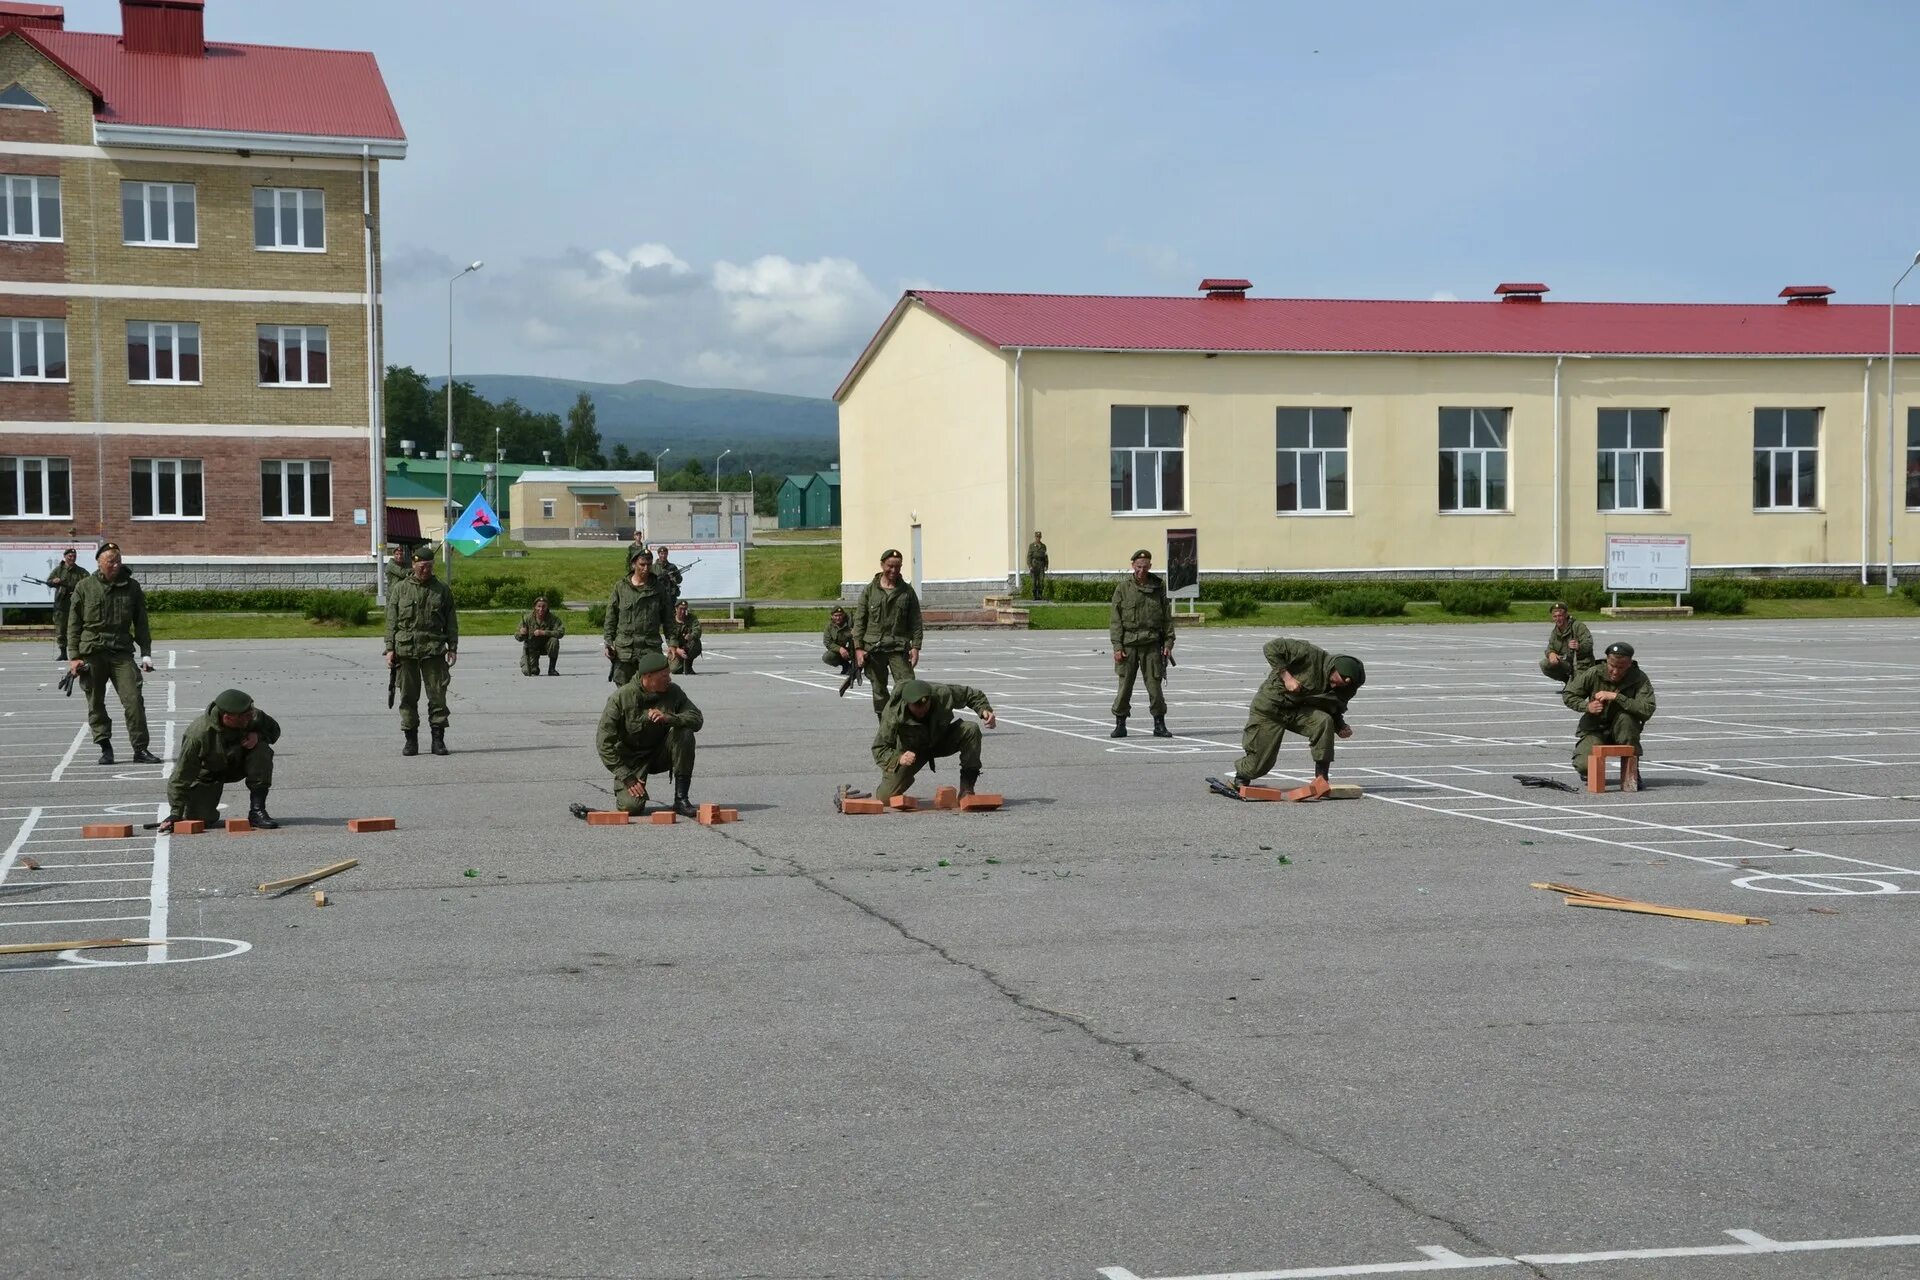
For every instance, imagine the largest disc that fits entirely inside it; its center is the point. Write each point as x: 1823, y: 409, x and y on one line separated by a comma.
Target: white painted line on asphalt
x: 171, y: 699
x: 15, y: 924
x: 162, y: 858
x: 65, y: 902
x: 19, y: 842
x: 171, y: 655
x: 79, y: 737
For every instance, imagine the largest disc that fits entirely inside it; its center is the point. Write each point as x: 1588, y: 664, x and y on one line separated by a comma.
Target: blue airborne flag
x: 476, y: 527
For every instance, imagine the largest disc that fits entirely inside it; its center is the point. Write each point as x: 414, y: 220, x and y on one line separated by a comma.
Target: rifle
x: 27, y: 577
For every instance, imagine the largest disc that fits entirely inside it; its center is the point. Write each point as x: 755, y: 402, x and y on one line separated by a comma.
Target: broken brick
x: 106, y: 830
x: 946, y: 798
x: 365, y: 825
x: 861, y: 804
x: 1262, y: 793
x: 662, y: 817
x: 905, y: 804
x: 980, y: 802
x: 608, y: 818
x: 729, y: 815
x: 238, y: 826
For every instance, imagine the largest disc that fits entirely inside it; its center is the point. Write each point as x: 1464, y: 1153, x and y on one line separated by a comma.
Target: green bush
x: 521, y: 595
x: 1581, y: 596
x: 1717, y: 597
x: 475, y: 593
x: 258, y: 599
x: 1235, y: 602
x: 348, y: 607
x: 596, y: 616
x: 1475, y: 599
x: 1912, y: 592
x: 1363, y: 602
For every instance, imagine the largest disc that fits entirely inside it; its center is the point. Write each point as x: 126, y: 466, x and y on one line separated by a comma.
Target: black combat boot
x: 551, y: 666
x: 681, y: 805
x: 143, y: 756
x: 411, y: 747
x: 106, y: 752
x: 63, y: 654
x: 967, y: 779
x: 1119, y: 727
x: 1160, y: 729
x: 439, y: 747
x: 257, y: 809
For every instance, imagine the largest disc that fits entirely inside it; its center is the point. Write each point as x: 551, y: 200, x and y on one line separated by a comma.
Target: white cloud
x: 1442, y: 296
x: 798, y: 308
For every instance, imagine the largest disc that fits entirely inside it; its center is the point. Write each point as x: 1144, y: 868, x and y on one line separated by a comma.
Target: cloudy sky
x: 733, y: 194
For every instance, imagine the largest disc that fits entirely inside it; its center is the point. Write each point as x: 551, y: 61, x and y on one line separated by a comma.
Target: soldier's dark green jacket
x: 65, y: 577
x: 1574, y: 630
x: 885, y: 620
x: 1037, y: 559
x: 211, y: 754
x: 532, y: 622
x: 636, y: 619
x: 421, y: 619
x: 1312, y: 667
x: 1141, y: 615
x: 900, y: 731
x: 837, y: 638
x: 628, y: 740
x: 108, y: 617
x: 1634, y: 689
x: 684, y: 635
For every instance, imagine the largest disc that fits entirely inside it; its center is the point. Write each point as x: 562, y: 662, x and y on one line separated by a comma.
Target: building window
x: 291, y: 219
x: 1473, y: 459
x: 1786, y: 459
x: 168, y: 489
x: 546, y: 508
x: 158, y: 213
x: 1633, y: 460
x: 162, y: 351
x: 1913, y: 458
x: 32, y: 208
x: 1310, y: 447
x: 293, y: 355
x: 296, y: 490
x: 33, y: 350
x: 35, y: 487
x: 1146, y: 459
x: 20, y: 99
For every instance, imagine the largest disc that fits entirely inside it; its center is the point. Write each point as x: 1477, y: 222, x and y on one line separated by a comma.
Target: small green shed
x: 793, y: 502
x: 822, y: 499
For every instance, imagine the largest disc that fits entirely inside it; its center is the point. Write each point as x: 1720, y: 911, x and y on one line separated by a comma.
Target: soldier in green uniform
x: 63, y: 578
x: 423, y: 642
x: 1141, y: 629
x: 837, y: 637
x: 106, y: 622
x: 1307, y: 691
x: 1615, y: 701
x: 683, y: 639
x: 539, y: 635
x: 666, y: 576
x: 1569, y: 646
x: 648, y: 727
x: 918, y: 727
x: 232, y: 741
x: 886, y: 629
x: 637, y: 617
x: 1037, y: 565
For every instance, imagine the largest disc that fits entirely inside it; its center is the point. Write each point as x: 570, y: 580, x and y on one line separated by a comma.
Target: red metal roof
x: 235, y: 88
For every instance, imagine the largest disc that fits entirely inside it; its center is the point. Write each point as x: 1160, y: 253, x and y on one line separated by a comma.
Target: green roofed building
x: 810, y: 501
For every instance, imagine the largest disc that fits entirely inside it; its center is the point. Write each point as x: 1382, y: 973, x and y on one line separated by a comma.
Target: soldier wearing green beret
x: 1306, y: 690
x: 423, y: 643
x: 107, y: 636
x: 667, y: 576
x: 539, y: 635
x: 1141, y: 628
x: 886, y: 629
x: 837, y: 641
x: 231, y: 741
x: 1615, y: 701
x: 919, y: 726
x: 648, y: 727
x: 63, y: 578
x: 683, y: 639
x: 399, y: 565
x: 1569, y: 646
x: 637, y: 617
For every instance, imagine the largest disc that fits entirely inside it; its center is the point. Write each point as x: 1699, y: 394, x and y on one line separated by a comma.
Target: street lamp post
x: 447, y: 507
x: 659, y: 472
x: 716, y: 469
x: 1893, y: 476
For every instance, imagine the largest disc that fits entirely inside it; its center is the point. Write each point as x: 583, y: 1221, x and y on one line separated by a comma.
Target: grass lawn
x: 796, y: 535
x: 588, y: 573
x: 1072, y: 617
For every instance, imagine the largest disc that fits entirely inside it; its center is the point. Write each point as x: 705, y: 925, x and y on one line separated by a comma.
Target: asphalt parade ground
x: 1121, y: 1028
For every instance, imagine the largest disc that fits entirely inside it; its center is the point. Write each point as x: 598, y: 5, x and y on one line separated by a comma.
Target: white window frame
x: 23, y: 470
x: 180, y: 334
x: 1487, y: 440
x: 171, y: 201
x: 1323, y: 423
x: 1146, y: 459
x: 1792, y: 454
x: 548, y: 507
x: 35, y: 105
x: 14, y: 330
x: 302, y: 336
x: 9, y: 192
x: 277, y: 199
x: 1625, y: 468
x: 162, y: 474
x: 300, y: 473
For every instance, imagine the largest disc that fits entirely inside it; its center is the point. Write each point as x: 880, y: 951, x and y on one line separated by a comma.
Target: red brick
x: 662, y: 817
x: 861, y: 804
x: 608, y: 818
x: 238, y: 826
x: 981, y: 802
x: 106, y: 830
x: 365, y: 825
x: 189, y: 827
x: 729, y: 815
x: 905, y: 804
x: 1262, y: 793
x: 946, y: 798
x: 709, y: 814
x: 1597, y: 768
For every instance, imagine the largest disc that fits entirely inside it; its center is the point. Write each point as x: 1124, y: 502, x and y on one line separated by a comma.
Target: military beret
x: 1141, y: 554
x: 232, y: 702
x: 634, y: 552
x: 1560, y: 605
x: 1352, y: 670
x: 889, y: 554
x: 649, y: 664
x: 1620, y: 647
x: 915, y: 691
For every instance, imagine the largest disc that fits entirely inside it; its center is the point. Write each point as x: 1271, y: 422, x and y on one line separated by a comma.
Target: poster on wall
x: 1183, y: 564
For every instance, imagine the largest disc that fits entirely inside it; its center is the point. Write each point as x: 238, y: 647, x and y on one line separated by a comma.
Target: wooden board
x: 88, y: 944
x: 295, y: 882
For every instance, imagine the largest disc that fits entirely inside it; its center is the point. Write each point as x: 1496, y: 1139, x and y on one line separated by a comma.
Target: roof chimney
x: 175, y: 27
x: 1521, y: 291
x: 1806, y: 295
x: 1219, y: 287
x: 45, y: 16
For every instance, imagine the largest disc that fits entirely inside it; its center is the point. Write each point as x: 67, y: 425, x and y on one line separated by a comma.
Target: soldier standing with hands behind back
x: 1141, y: 629
x: 106, y: 623
x: 1037, y: 562
x: 886, y: 629
x: 423, y: 642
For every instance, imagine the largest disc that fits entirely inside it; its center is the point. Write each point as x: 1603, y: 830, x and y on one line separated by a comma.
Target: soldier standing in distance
x: 106, y: 624
x: 423, y: 643
x: 666, y: 576
x: 636, y: 617
x: 887, y: 629
x: 1141, y: 629
x: 63, y: 578
x: 1037, y: 565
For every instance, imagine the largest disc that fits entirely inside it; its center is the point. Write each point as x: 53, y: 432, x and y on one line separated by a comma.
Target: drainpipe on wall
x: 376, y: 451
x: 1866, y: 485
x: 1556, y: 466
x: 1013, y: 575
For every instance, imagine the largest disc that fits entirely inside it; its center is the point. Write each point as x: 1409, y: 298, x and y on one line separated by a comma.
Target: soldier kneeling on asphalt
x: 837, y: 636
x: 918, y: 727
x: 232, y: 741
x: 539, y: 635
x: 683, y: 639
x: 648, y: 727
x: 1615, y: 700
x: 1307, y: 690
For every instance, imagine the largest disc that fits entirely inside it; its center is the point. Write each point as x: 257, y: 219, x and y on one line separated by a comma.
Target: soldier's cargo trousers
x: 682, y: 666
x: 1603, y: 730
x: 435, y: 675
x: 882, y: 663
x: 1563, y: 671
x: 624, y: 668
x: 674, y: 756
x: 962, y: 738
x: 203, y: 801
x: 1145, y: 660
x: 531, y: 651
x: 1261, y: 739
x: 124, y: 672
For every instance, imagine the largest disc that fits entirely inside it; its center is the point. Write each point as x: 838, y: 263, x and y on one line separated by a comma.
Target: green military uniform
x: 105, y: 624
x: 403, y: 567
x: 1620, y: 720
x: 667, y: 576
x: 834, y: 637
x: 1317, y: 711
x: 633, y: 746
x: 636, y: 620
x: 63, y: 578
x: 212, y: 755
x: 423, y: 632
x: 938, y: 734
x: 1140, y: 626
x: 534, y: 647
x: 684, y: 634
x: 886, y: 624
x: 1037, y: 567
x: 1573, y: 637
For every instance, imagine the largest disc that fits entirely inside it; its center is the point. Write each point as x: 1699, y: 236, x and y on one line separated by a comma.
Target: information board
x: 1183, y: 564
x: 22, y: 560
x: 1652, y: 563
x: 708, y: 570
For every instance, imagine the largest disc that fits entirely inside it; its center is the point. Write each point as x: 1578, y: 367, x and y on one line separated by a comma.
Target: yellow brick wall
x: 71, y: 105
